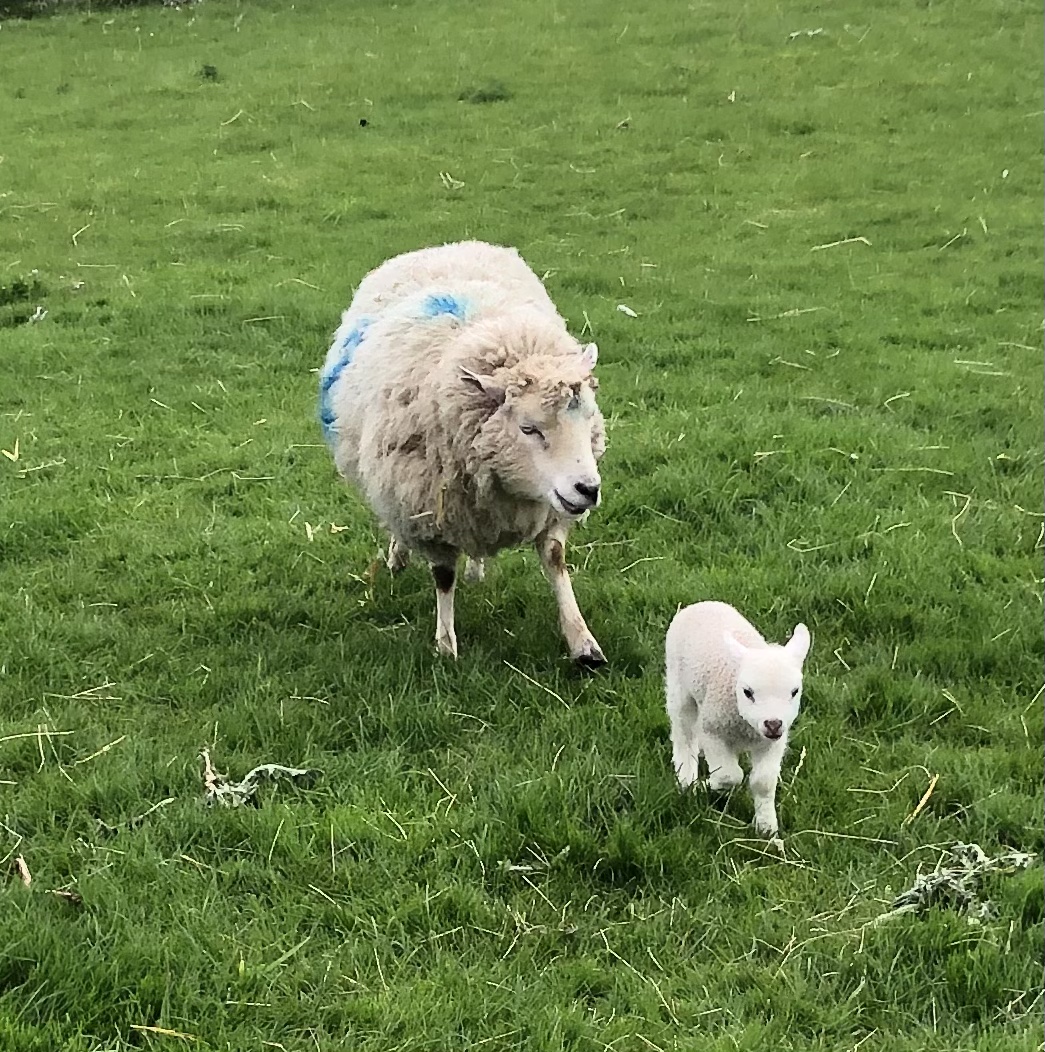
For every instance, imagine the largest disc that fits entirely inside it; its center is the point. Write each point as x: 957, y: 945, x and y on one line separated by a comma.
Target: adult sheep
x: 455, y: 399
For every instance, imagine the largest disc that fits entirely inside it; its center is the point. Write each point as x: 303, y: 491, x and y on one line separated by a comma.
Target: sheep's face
x: 769, y: 683
x: 548, y: 434
x: 555, y: 450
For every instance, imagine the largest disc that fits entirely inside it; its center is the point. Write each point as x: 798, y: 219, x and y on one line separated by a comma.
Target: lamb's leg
x: 685, y: 747
x: 445, y: 581
x: 765, y: 774
x: 724, y: 771
x: 398, y: 556
x: 551, y: 547
x: 474, y: 570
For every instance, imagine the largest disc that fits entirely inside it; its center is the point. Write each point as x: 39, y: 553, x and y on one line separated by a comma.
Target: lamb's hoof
x: 686, y: 778
x: 590, y: 656
x: 768, y: 830
x: 718, y: 782
x: 719, y: 793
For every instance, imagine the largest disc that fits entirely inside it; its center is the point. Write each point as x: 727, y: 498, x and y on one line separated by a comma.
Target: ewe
x: 456, y: 401
x: 728, y: 692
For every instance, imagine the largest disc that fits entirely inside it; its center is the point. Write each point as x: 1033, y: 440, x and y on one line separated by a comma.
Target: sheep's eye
x: 529, y: 429
x: 749, y: 694
x: 794, y: 693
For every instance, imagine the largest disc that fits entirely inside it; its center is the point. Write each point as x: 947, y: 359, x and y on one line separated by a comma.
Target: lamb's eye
x: 529, y: 429
x: 794, y: 693
x: 749, y: 694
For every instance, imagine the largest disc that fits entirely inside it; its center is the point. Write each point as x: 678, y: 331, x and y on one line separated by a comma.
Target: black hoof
x: 591, y: 658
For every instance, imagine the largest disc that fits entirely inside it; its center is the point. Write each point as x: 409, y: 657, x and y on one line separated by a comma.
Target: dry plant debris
x: 219, y: 790
x: 958, y: 886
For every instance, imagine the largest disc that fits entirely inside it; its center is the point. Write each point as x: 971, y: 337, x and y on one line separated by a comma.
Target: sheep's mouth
x: 773, y: 736
x: 568, y: 506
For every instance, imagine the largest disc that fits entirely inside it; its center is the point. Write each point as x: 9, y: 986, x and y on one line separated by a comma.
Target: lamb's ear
x: 489, y: 387
x: 734, y: 646
x: 589, y: 356
x: 798, y: 645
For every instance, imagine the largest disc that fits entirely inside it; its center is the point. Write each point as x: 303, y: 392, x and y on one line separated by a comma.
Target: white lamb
x: 728, y: 692
x: 457, y: 402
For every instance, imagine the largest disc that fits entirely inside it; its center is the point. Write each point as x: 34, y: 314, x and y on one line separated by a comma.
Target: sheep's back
x: 447, y: 267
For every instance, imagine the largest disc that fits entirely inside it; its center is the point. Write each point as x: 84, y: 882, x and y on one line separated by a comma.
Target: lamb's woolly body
x: 714, y: 657
x: 698, y: 657
x: 428, y: 450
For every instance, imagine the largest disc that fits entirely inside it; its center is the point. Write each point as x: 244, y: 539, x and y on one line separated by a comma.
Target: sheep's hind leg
x: 474, y: 570
x: 398, y: 556
x: 445, y: 582
x: 551, y: 547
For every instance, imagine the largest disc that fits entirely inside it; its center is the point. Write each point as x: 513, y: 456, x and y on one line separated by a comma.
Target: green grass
x: 496, y: 857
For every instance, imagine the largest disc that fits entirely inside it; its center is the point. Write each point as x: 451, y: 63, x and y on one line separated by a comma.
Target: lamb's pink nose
x: 773, y: 728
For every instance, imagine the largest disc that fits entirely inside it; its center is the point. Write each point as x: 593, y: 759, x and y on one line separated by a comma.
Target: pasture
x: 826, y: 220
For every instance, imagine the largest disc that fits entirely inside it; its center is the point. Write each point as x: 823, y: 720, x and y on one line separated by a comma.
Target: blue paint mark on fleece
x: 330, y: 377
x: 445, y: 304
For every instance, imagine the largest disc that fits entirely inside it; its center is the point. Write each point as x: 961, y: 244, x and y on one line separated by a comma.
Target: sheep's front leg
x: 474, y: 570
x: 765, y: 774
x: 551, y: 547
x: 445, y: 582
x: 724, y: 770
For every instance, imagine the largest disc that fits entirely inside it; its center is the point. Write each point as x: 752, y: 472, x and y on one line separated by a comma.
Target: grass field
x: 829, y: 408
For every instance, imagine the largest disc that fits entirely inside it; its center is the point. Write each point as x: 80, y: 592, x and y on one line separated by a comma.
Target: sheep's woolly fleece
x: 442, y: 467
x: 348, y: 342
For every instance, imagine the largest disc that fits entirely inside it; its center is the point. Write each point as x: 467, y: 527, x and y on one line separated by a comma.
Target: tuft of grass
x: 495, y: 91
x: 826, y: 407
x: 18, y: 300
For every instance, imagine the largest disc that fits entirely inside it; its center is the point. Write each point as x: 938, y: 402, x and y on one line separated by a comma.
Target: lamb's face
x: 769, y: 683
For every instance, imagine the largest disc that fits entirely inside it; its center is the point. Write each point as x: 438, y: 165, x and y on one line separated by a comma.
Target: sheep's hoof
x: 590, y: 656
x: 446, y: 645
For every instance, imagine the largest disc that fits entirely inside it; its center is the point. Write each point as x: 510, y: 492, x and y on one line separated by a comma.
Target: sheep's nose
x: 589, y: 490
x: 773, y: 728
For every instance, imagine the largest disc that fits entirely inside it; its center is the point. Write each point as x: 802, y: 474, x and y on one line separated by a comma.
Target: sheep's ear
x: 493, y: 391
x: 734, y: 646
x: 798, y: 645
x: 589, y: 356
